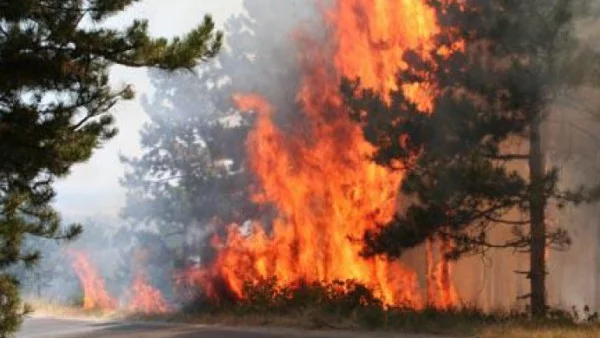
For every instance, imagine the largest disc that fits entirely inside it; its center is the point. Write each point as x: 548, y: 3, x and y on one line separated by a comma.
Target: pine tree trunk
x: 185, y: 248
x: 39, y: 285
x: 597, y: 268
x: 537, y: 201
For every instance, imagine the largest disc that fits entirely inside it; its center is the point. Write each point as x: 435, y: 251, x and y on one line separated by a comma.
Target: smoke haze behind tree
x: 261, y: 57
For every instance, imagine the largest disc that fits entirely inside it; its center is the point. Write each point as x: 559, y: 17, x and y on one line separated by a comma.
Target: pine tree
x: 463, y: 174
x: 178, y: 182
x: 190, y: 177
x: 55, y: 100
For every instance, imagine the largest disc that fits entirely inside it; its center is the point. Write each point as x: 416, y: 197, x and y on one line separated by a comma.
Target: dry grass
x: 447, y: 326
x: 353, y: 307
x: 532, y: 332
x: 302, y: 321
x: 54, y: 309
x: 454, y: 324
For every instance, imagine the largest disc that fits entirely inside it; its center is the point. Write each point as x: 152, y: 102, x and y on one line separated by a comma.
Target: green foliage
x: 338, y: 297
x: 461, y: 174
x: 12, y: 310
x: 190, y: 176
x: 55, y: 101
x: 322, y: 304
x: 181, y: 182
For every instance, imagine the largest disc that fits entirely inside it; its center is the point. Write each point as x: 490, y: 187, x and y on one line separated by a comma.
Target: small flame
x: 95, y: 295
x: 146, y: 298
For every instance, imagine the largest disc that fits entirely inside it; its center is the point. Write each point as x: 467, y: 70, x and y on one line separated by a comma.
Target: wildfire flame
x: 441, y: 293
x: 95, y: 295
x: 146, y: 298
x: 372, y: 36
x: 319, y: 176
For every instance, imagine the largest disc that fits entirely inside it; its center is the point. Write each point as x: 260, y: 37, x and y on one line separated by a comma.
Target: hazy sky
x: 93, y: 188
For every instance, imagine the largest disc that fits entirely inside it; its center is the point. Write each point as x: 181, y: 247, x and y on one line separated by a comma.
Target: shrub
x: 350, y: 304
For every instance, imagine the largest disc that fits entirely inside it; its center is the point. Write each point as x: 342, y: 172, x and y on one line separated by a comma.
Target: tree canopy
x: 478, y: 154
x: 191, y: 179
x: 55, y: 103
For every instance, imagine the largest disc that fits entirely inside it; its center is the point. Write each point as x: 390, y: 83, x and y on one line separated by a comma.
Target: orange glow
x: 318, y: 175
x: 441, y: 293
x: 430, y: 273
x: 448, y: 296
x: 95, y: 295
x: 374, y: 34
x: 146, y: 298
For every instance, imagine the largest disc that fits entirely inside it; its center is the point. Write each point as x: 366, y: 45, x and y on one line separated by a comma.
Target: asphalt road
x: 67, y: 328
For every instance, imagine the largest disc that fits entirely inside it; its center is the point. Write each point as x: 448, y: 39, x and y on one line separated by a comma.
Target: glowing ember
x: 146, y: 298
x: 318, y: 175
x: 95, y: 295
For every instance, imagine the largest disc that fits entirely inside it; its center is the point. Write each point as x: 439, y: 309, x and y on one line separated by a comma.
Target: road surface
x: 39, y: 327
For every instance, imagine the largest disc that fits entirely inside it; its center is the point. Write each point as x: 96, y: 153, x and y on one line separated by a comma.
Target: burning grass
x: 348, y: 305
x: 76, y: 310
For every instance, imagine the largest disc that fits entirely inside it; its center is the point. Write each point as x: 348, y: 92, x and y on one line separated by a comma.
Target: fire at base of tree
x: 343, y: 305
x: 344, y: 176
x: 316, y: 173
x: 309, y: 305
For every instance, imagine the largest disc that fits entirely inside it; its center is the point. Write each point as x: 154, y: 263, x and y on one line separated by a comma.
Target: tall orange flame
x: 318, y: 175
x: 373, y: 35
x: 95, y: 295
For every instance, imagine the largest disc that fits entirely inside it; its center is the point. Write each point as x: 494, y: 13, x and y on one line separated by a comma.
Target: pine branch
x: 518, y: 243
x: 508, y: 157
x: 525, y: 296
x: 508, y: 222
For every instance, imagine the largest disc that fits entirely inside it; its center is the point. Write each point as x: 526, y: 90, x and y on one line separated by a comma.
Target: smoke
x: 169, y: 230
x: 102, y: 196
x: 153, y: 227
x: 573, y: 147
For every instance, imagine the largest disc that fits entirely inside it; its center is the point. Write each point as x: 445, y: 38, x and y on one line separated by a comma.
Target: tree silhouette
x: 463, y: 174
x: 55, y: 100
x: 191, y: 179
